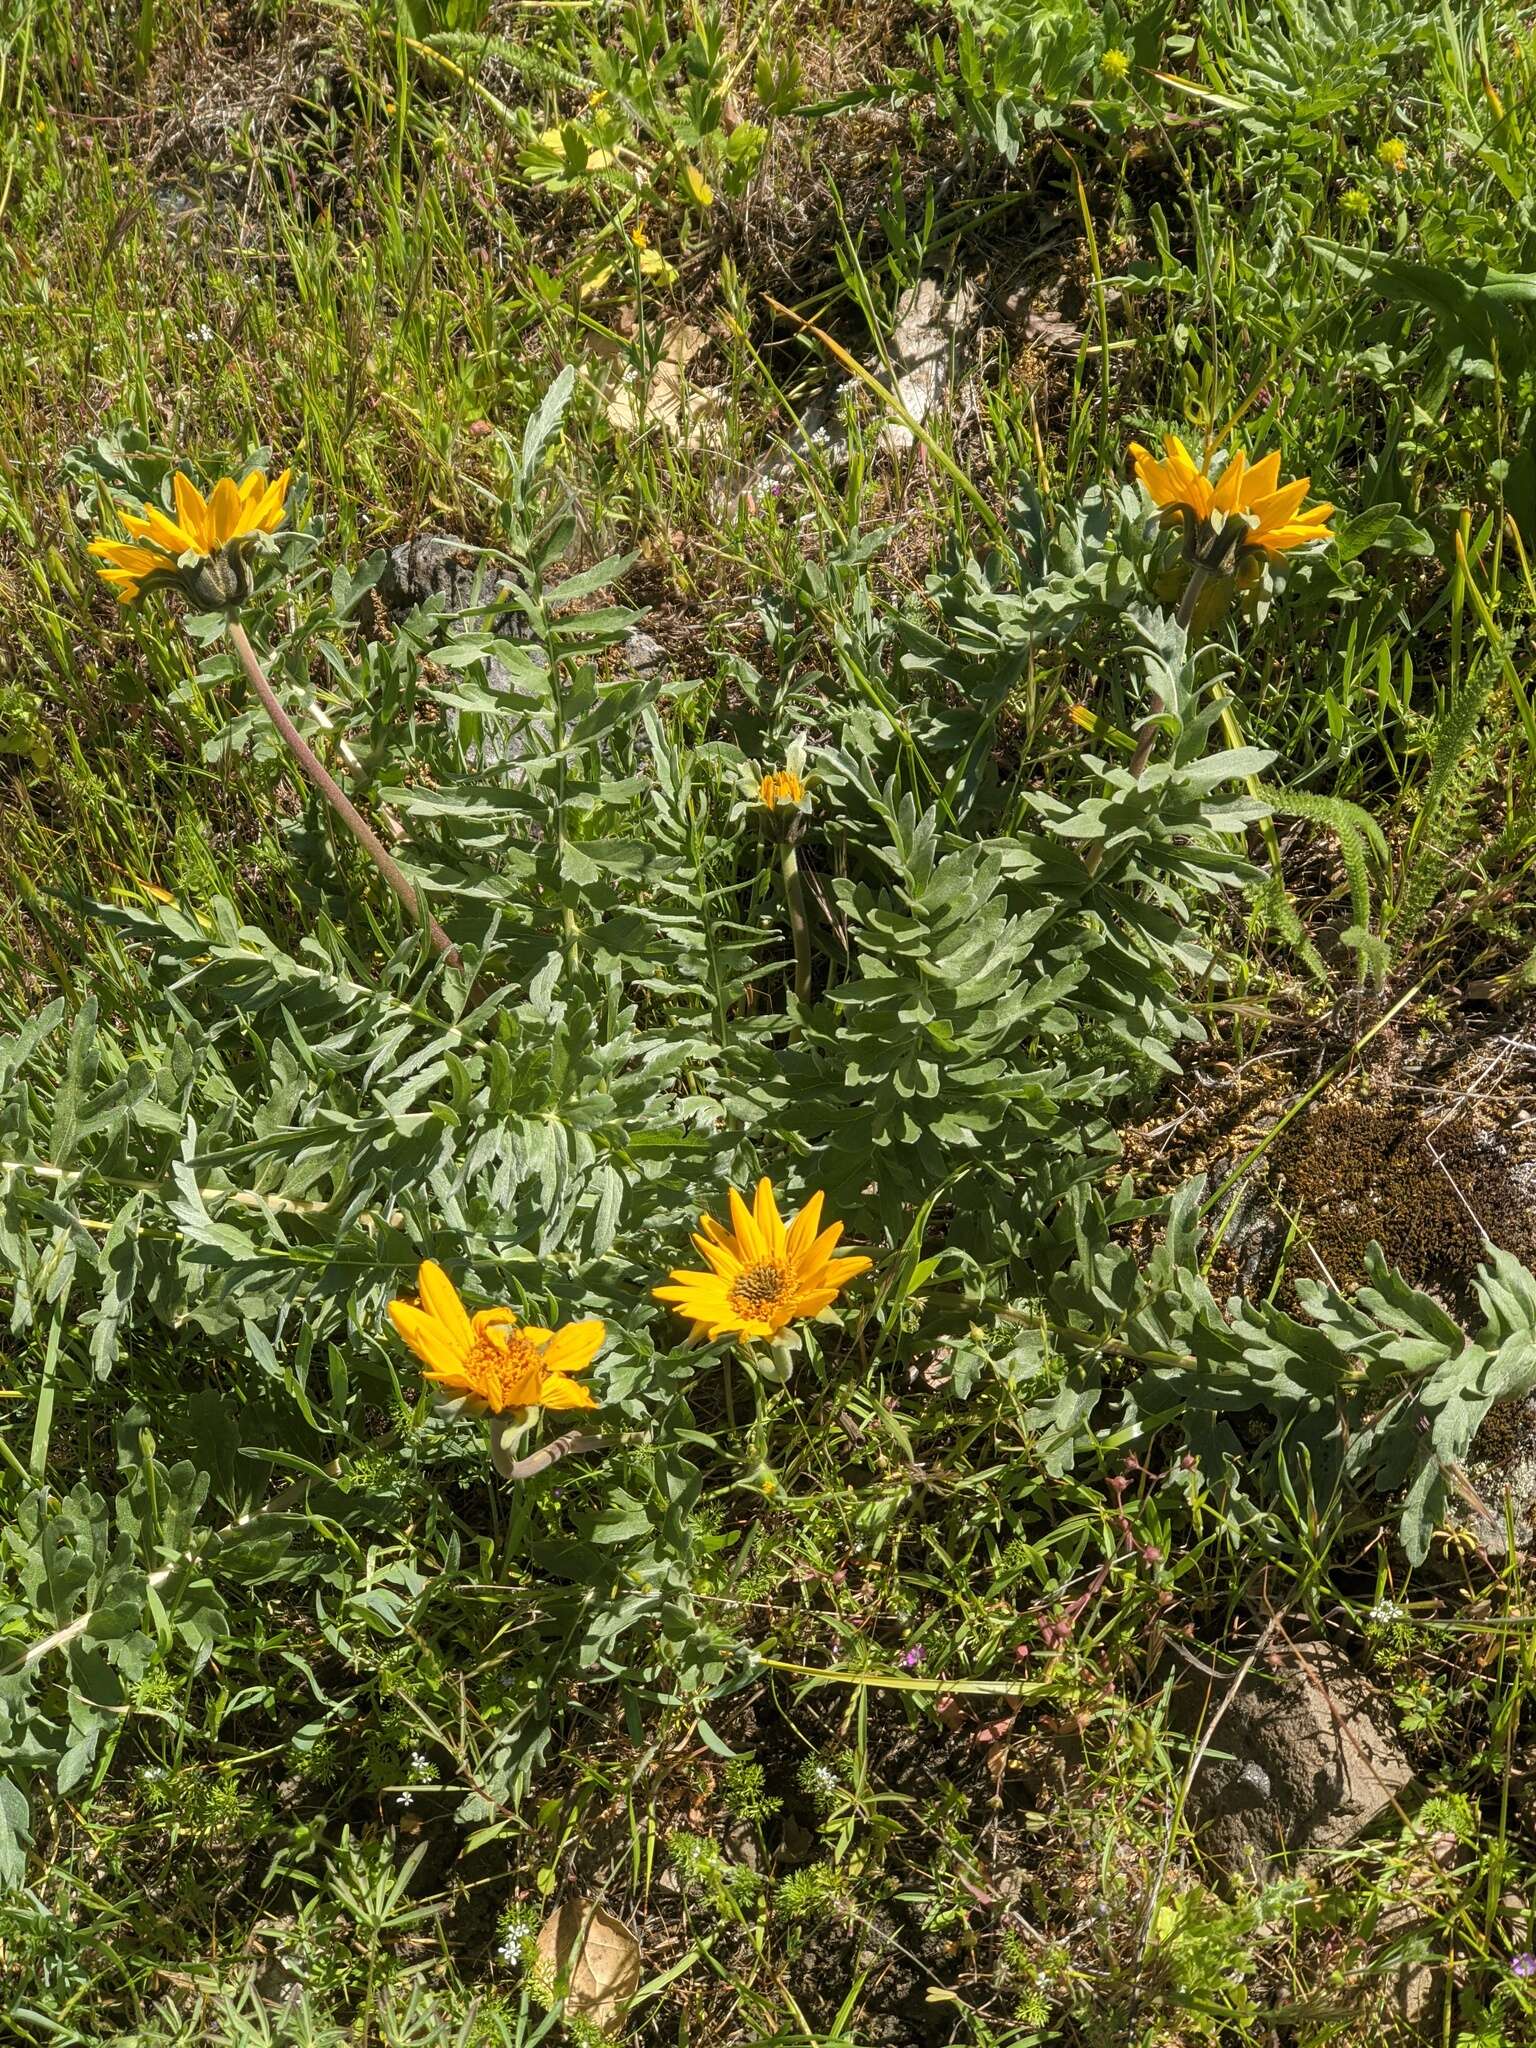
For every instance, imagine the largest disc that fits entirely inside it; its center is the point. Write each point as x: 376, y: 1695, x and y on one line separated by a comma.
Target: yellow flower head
x: 1115, y: 65
x: 1393, y: 153
x: 761, y: 1276
x: 492, y: 1362
x: 203, y: 547
x: 781, y: 786
x: 1268, y: 515
x: 640, y: 238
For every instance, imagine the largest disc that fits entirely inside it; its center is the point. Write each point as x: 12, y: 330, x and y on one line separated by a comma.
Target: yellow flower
x: 217, y: 527
x: 761, y: 1276
x: 1393, y: 153
x: 491, y: 1362
x: 781, y: 786
x: 1115, y: 65
x: 1268, y: 514
x: 640, y: 238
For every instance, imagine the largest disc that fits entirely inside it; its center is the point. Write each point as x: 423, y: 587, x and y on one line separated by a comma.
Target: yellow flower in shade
x: 491, y: 1362
x: 761, y: 1276
x: 202, y: 548
x: 1243, y: 508
x: 781, y: 786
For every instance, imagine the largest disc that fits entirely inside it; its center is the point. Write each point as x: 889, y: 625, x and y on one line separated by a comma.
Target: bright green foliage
x: 848, y: 1690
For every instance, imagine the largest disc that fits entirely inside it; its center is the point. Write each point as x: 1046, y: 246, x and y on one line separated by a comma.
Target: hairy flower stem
x: 794, y: 897
x: 559, y: 1447
x: 335, y: 796
x: 1146, y: 738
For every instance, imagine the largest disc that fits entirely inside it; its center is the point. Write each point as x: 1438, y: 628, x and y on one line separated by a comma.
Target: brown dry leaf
x: 693, y: 412
x: 596, y: 1956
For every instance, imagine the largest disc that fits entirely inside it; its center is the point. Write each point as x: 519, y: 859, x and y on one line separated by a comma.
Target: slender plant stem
x: 551, y: 1453
x: 1146, y: 737
x: 335, y: 796
x: 794, y: 897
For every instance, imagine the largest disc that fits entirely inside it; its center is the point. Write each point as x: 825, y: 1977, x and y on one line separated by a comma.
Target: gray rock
x: 470, y: 586
x: 466, y: 581
x: 930, y: 341
x: 932, y: 338
x: 443, y: 566
x: 1301, y: 1761
x: 643, y: 651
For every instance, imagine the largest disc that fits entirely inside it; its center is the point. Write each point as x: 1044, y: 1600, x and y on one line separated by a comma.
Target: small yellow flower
x: 1268, y: 513
x: 761, y: 1276
x: 781, y: 786
x: 596, y: 98
x: 1115, y: 65
x: 640, y: 238
x: 214, y: 530
x: 1356, y: 202
x: 492, y: 1362
x: 1392, y: 154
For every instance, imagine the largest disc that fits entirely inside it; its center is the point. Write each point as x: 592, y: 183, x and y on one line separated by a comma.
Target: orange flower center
x: 504, y: 1369
x: 782, y: 787
x: 760, y: 1288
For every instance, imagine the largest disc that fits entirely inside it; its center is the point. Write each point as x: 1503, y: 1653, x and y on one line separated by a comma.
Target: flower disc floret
x: 781, y: 786
x: 761, y: 1275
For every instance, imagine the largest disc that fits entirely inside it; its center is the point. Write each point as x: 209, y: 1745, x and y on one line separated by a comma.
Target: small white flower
x: 202, y: 334
x: 404, y: 1799
x: 1387, y: 1614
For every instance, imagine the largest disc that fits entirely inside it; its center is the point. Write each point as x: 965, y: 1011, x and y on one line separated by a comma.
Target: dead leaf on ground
x: 667, y: 398
x: 595, y: 1956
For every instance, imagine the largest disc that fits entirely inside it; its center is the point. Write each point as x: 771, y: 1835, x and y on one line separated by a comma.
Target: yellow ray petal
x: 1228, y: 494
x: 838, y: 1272
x: 748, y: 1237
x: 440, y: 1298
x: 802, y: 1232
x: 1281, y: 505
x: 270, y: 508
x: 165, y: 533
x: 574, y: 1348
x: 765, y: 1214
x: 123, y: 554
x: 427, y: 1338
x: 191, y: 512
x: 718, y: 1256
x: 823, y: 1248
x: 557, y: 1392
x: 224, y: 509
